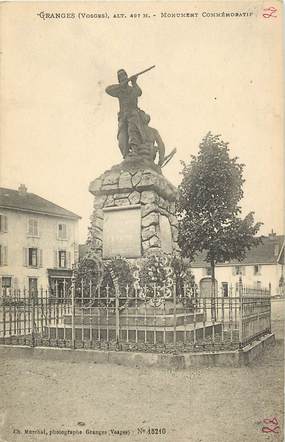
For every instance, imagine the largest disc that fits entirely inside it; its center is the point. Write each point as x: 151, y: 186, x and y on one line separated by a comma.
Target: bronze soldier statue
x: 130, y: 128
x: 135, y: 137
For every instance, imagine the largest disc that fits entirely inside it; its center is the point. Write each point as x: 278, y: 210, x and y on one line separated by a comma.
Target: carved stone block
x: 134, y: 197
x: 148, y: 232
x: 148, y: 197
x: 151, y: 218
x: 111, y: 178
x: 99, y: 201
x: 136, y: 178
x: 148, y: 208
x: 122, y: 202
x: 125, y: 181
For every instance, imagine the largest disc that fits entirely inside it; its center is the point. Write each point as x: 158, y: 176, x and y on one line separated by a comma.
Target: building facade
x: 38, y: 241
x: 263, y: 267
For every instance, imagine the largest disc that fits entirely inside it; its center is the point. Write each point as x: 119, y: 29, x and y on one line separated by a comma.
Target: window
x: 6, y: 282
x: 33, y: 286
x: 32, y: 257
x: 62, y: 261
x: 61, y: 231
x: 60, y: 286
x: 239, y: 270
x: 33, y: 227
x: 258, y: 285
x: 3, y: 223
x: 225, y: 287
x: 3, y: 255
x: 257, y: 269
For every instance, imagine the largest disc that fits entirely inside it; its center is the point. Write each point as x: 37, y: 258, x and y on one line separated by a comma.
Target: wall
x: 16, y: 239
x: 269, y: 274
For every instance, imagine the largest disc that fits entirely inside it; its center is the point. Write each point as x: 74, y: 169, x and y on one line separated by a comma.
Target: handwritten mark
x: 268, y: 12
x: 272, y: 426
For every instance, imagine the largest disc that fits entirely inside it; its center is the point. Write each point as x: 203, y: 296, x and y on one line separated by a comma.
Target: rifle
x: 140, y: 73
x: 169, y: 157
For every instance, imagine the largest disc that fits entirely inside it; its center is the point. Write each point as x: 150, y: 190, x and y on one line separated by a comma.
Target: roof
x: 29, y: 202
x: 267, y: 252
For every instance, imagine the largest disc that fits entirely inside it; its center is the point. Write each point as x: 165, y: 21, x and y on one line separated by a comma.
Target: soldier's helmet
x: 121, y: 74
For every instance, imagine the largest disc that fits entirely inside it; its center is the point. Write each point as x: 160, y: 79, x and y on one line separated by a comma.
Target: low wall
x: 131, y: 359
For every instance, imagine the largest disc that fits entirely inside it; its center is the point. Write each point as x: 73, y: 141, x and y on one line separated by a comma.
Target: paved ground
x: 207, y: 405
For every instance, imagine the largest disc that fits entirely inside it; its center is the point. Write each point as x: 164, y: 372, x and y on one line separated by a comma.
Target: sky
x: 223, y: 75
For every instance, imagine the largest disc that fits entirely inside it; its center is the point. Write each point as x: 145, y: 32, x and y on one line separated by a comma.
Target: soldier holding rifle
x: 130, y: 127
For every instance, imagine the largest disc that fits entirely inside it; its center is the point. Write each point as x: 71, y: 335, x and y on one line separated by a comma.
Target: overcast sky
x: 219, y: 74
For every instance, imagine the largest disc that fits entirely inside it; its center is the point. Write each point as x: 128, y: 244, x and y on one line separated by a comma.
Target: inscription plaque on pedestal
x: 122, y: 232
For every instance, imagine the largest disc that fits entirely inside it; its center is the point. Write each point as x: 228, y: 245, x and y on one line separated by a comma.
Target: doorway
x: 33, y: 286
x: 206, y: 287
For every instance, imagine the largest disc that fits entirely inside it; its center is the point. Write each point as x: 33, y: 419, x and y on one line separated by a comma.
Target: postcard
x: 141, y: 221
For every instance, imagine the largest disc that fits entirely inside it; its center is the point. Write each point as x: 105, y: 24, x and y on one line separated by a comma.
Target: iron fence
x: 155, y: 318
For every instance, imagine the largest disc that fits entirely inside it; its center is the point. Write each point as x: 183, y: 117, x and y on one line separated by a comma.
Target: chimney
x: 22, y: 189
x: 272, y: 235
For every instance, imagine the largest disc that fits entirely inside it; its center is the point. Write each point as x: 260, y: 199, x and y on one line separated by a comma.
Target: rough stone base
x: 136, y: 187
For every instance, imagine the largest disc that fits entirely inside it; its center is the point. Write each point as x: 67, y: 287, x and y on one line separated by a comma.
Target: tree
x: 208, y: 207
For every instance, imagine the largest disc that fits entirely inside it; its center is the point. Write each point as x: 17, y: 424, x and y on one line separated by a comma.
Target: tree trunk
x: 213, y: 290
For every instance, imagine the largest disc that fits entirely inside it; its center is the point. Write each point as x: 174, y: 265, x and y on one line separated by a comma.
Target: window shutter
x: 25, y: 257
x: 14, y: 282
x: 29, y: 226
x: 76, y: 252
x: 40, y: 258
x: 243, y: 270
x: 5, y: 257
x: 3, y: 223
x: 37, y: 230
x: 62, y: 231
x: 233, y: 270
x: 68, y: 258
x: 56, y: 258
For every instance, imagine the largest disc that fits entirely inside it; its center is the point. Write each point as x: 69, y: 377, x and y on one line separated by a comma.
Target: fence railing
x: 153, y: 318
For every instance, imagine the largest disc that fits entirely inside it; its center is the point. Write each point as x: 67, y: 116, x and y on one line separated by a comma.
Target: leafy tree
x: 208, y: 207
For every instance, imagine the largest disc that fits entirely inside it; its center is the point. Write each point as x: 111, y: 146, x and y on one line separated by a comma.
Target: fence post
x: 33, y: 318
x: 73, y: 313
x: 4, y: 313
x: 240, y: 331
x: 174, y: 315
x: 269, y: 299
x: 117, y: 315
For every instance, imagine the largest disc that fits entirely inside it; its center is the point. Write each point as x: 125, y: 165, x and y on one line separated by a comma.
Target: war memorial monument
x: 134, y: 204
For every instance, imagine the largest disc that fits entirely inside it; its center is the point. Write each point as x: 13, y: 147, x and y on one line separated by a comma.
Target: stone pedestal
x: 134, y: 213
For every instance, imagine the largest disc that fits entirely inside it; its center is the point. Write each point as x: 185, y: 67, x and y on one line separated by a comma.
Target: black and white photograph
x: 142, y: 266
